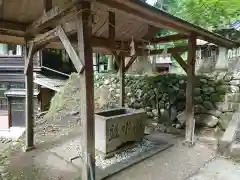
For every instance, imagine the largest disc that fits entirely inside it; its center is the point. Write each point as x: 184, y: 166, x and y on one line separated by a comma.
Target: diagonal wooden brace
x: 180, y: 61
x: 130, y: 62
x: 29, y: 57
x: 78, y: 63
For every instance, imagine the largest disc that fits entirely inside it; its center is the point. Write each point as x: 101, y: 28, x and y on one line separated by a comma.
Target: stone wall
x: 163, y: 96
x: 216, y: 97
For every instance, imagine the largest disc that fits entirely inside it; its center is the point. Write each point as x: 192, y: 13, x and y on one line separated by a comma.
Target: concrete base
x: 230, y: 135
x: 27, y: 149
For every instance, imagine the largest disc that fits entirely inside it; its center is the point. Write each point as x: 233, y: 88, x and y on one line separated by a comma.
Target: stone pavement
x: 176, y: 163
x: 218, y: 169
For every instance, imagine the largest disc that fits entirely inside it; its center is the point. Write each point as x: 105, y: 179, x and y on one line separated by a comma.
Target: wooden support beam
x: 9, y: 100
x: 170, y: 38
x: 84, y: 29
x: 78, y: 63
x: 189, y: 112
x: 29, y: 59
x: 52, y: 16
x: 130, y: 62
x: 180, y: 61
x: 122, y: 79
x: 111, y: 28
x: 29, y: 143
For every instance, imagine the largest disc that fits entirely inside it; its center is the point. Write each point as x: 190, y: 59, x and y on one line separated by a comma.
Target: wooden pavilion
x: 109, y: 26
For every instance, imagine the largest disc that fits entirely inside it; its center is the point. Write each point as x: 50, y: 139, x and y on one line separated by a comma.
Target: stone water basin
x: 116, y: 127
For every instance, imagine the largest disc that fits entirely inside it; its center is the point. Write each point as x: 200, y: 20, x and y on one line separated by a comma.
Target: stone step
x: 232, y: 97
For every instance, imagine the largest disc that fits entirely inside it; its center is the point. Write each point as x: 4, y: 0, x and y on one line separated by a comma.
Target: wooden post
x: 122, y: 79
x: 9, y: 112
x: 189, y: 112
x: 29, y: 144
x: 84, y: 29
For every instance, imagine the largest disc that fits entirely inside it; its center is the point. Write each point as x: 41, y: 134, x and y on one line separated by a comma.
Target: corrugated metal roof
x: 53, y: 83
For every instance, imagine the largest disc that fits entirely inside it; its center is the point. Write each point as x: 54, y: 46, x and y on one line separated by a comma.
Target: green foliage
x: 205, y: 13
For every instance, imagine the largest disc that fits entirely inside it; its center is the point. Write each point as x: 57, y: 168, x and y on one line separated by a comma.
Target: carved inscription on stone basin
x: 115, y: 127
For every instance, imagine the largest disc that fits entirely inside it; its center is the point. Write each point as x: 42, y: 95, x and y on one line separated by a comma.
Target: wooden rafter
x: 78, y: 63
x: 52, y: 16
x: 170, y: 38
x: 180, y: 61
x: 12, y: 26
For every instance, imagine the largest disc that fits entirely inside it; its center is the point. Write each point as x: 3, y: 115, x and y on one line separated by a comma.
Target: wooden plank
x: 180, y: 61
x: 130, y: 62
x: 84, y: 27
x: 122, y: 79
x: 78, y: 62
x: 189, y: 112
x: 29, y: 59
x: 29, y: 142
x: 52, y: 16
x: 164, y: 39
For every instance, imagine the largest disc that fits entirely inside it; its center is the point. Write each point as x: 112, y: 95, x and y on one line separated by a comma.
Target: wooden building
x: 108, y: 26
x: 12, y: 77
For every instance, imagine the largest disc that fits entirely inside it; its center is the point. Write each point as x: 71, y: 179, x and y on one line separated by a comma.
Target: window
x: 10, y: 50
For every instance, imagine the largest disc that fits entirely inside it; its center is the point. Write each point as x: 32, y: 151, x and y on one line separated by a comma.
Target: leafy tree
x: 209, y: 14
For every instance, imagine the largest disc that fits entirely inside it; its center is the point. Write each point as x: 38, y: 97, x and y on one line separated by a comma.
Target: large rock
x: 199, y: 109
x: 208, y: 105
x: 206, y: 120
x: 215, y: 112
x: 224, y: 120
x: 181, y: 118
x: 198, y: 100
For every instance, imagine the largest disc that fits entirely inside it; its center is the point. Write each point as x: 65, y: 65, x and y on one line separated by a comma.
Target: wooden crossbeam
x: 29, y: 58
x: 78, y: 63
x: 52, y: 16
x: 130, y: 62
x: 180, y: 61
x: 164, y: 39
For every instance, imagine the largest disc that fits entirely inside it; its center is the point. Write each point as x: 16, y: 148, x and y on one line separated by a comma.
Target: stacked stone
x: 216, y: 97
